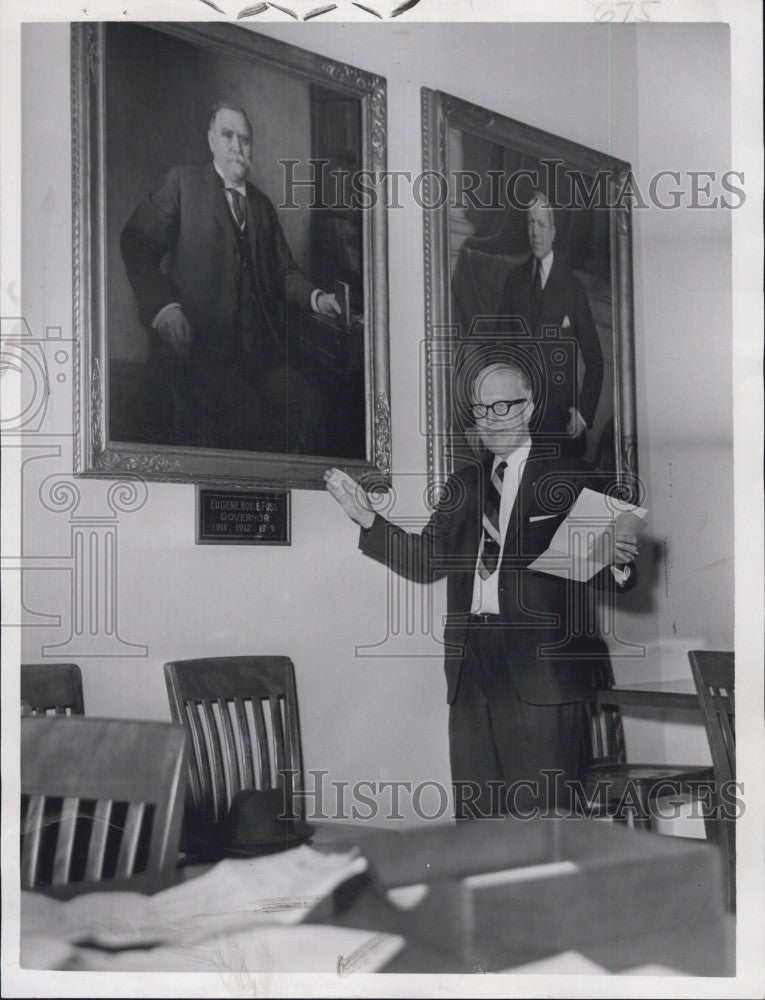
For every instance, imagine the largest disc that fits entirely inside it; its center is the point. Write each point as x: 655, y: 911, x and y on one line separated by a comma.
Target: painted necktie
x: 537, y: 282
x: 237, y: 204
x: 489, y: 559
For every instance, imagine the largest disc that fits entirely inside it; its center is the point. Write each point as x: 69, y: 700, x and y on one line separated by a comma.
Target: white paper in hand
x: 583, y: 545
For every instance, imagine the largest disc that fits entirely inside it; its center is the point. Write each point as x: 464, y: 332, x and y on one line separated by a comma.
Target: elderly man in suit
x: 519, y: 653
x: 213, y: 276
x: 545, y: 293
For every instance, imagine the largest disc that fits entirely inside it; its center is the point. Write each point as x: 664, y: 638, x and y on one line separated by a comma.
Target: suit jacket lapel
x: 218, y: 202
x: 525, y: 495
x: 528, y: 305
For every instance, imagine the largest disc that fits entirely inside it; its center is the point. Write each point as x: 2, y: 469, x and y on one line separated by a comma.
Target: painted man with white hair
x: 518, y: 654
x: 213, y: 277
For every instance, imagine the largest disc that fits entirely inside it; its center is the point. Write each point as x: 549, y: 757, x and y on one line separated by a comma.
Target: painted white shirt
x: 545, y: 264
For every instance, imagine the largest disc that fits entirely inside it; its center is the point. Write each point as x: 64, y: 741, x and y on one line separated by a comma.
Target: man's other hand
x: 350, y: 496
x: 327, y: 304
x: 625, y: 550
x: 175, y: 330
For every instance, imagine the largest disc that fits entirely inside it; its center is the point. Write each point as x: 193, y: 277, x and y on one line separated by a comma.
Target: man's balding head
x: 230, y: 139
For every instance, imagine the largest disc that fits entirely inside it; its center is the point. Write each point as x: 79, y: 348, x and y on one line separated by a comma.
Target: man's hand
x: 350, y: 496
x: 576, y: 423
x: 625, y: 550
x: 175, y: 330
x: 327, y: 305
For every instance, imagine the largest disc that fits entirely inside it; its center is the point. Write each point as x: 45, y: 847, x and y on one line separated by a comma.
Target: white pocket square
x: 566, y: 322
x: 542, y: 517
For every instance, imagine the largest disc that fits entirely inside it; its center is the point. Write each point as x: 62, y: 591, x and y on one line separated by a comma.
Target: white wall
x: 684, y: 359
x: 385, y: 718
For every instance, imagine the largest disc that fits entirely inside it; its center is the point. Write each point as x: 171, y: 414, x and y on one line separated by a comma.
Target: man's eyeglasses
x: 500, y: 409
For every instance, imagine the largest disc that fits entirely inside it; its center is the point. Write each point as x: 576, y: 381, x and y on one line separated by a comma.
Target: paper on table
x: 583, y: 545
x: 310, y: 948
x: 551, y: 869
x: 278, y: 889
x: 38, y: 952
x: 651, y: 969
x: 567, y: 963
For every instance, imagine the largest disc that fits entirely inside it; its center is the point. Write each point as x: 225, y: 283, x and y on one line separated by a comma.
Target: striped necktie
x: 492, y: 538
x: 537, y: 281
x: 237, y: 204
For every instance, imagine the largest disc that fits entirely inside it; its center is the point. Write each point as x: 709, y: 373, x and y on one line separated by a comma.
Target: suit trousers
x: 508, y: 755
x: 247, y: 406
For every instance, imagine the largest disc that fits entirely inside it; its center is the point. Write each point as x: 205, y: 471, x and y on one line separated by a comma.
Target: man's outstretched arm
x: 418, y: 557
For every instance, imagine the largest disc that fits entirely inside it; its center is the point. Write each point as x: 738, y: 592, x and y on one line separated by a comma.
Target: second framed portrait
x: 528, y: 258
x: 230, y: 286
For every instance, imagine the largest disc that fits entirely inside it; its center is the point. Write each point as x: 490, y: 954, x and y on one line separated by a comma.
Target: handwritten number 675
x: 631, y: 10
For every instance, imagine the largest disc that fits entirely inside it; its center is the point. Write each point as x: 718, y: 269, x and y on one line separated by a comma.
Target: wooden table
x: 678, y: 694
x: 619, y: 897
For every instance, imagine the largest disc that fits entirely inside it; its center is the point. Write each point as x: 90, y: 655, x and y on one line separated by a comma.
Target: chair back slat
x: 94, y: 867
x: 52, y: 688
x: 231, y: 743
x: 714, y: 677
x: 604, y: 727
x: 257, y: 724
x: 714, y: 674
x: 65, y: 841
x: 215, y: 751
x: 269, y: 751
x: 244, y: 741
x: 129, y: 843
x: 277, y: 727
x: 94, y: 765
x: 31, y: 826
x: 200, y: 781
x: 261, y: 741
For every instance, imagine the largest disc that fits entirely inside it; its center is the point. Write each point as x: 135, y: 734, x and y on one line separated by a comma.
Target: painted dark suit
x: 563, y: 304
x: 544, y: 652
x: 181, y: 245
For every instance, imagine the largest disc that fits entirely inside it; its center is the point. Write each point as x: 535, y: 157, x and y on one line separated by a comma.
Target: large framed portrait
x: 230, y: 271
x: 506, y: 208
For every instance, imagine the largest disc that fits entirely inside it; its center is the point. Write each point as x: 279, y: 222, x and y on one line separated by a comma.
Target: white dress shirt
x: 544, y: 265
x: 486, y: 592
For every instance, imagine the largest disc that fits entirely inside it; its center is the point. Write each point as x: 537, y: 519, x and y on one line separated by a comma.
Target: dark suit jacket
x: 180, y: 245
x: 563, y: 296
x: 550, y: 655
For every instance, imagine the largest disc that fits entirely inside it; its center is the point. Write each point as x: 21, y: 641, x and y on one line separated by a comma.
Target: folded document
x: 583, y: 545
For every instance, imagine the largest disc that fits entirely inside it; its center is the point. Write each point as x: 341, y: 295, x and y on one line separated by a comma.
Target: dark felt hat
x: 258, y: 823
x: 254, y: 826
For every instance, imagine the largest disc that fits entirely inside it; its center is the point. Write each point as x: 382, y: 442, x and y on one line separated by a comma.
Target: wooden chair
x: 241, y: 717
x: 100, y: 798
x: 714, y: 676
x: 622, y: 789
x: 52, y: 688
